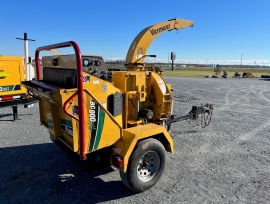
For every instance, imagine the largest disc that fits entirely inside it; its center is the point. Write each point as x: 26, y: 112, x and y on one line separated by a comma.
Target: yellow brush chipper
x: 119, y: 118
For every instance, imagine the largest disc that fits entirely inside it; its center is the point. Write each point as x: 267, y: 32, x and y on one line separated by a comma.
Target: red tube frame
x: 79, y: 85
x: 65, y: 106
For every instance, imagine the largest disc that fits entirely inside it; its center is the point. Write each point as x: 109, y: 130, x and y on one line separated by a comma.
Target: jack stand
x: 15, y: 113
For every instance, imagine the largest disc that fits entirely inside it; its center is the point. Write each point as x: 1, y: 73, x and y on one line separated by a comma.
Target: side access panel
x: 102, y: 122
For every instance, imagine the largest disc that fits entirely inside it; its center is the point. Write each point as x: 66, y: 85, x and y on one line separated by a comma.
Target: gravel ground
x: 227, y: 162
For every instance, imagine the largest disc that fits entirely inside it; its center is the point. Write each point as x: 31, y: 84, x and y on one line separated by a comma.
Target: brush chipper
x: 104, y: 118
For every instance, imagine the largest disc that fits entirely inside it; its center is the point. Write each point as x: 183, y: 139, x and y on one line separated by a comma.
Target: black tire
x: 145, y: 166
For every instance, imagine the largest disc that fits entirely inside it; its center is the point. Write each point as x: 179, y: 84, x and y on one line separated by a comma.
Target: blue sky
x: 222, y: 32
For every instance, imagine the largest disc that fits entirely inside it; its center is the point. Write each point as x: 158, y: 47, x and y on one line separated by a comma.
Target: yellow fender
x: 131, y: 136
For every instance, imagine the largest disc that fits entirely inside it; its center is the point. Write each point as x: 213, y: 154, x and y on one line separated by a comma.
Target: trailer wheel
x: 146, y: 165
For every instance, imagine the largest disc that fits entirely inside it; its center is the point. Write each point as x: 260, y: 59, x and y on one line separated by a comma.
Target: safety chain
x: 206, y: 121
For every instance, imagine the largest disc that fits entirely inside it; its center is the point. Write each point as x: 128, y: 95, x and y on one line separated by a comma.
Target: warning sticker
x: 139, y: 56
x: 162, y: 86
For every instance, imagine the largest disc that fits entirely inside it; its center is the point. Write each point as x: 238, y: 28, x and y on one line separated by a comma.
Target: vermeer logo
x: 159, y: 30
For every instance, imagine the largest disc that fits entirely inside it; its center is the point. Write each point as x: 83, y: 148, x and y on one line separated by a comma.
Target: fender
x: 131, y: 136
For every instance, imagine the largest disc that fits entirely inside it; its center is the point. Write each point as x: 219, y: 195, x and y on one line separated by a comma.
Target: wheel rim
x: 148, y: 166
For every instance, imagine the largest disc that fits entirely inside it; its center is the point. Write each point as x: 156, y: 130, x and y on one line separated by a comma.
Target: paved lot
x: 227, y: 162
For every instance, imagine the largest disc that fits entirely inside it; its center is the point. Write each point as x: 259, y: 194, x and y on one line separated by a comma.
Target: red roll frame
x: 79, y: 86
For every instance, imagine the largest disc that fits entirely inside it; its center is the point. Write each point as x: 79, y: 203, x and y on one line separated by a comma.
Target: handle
x: 65, y: 106
x: 79, y: 86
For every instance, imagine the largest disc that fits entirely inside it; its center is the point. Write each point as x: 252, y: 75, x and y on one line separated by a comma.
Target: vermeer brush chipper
x: 118, y: 118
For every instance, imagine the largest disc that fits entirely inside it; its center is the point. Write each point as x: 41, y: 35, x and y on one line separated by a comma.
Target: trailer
x: 12, y: 93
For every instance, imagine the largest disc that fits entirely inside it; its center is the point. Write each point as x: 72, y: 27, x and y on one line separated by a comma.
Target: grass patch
x: 202, y: 72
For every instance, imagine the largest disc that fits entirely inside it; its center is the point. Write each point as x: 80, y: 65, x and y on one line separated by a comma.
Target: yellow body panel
x: 95, y: 91
x: 65, y: 128
x: 132, y: 135
x: 148, y: 88
x: 11, y: 75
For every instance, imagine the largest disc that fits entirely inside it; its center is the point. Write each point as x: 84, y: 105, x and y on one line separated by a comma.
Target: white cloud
x: 200, y: 61
x: 114, y: 59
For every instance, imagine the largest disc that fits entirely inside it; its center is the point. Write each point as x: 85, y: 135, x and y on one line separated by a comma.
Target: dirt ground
x: 227, y: 162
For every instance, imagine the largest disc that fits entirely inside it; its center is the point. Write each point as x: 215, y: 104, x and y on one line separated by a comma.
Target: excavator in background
x: 119, y: 118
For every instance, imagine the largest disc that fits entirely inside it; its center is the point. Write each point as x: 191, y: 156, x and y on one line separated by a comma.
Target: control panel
x: 90, y: 62
x: 60, y: 70
x: 93, y: 64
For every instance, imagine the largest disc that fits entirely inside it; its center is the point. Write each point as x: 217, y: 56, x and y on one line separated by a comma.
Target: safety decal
x: 162, y: 86
x: 50, y: 124
x: 67, y: 126
x: 86, y: 78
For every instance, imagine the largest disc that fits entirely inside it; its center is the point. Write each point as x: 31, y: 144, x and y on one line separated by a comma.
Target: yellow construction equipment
x: 12, y: 93
x: 118, y: 118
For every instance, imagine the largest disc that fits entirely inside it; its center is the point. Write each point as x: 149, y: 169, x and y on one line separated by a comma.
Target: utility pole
x: 26, y: 59
x: 241, y: 59
x: 27, y: 70
x: 173, y: 58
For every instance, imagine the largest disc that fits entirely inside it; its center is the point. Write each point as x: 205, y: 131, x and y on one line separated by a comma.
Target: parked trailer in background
x: 12, y: 93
